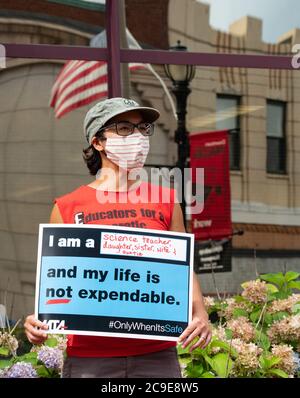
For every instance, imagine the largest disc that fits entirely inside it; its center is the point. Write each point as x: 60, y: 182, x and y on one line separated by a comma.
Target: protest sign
x: 112, y: 281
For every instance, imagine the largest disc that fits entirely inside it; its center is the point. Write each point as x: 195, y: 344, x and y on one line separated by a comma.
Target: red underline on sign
x: 58, y: 301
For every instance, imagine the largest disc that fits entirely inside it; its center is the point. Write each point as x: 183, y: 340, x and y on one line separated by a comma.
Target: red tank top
x: 85, y: 205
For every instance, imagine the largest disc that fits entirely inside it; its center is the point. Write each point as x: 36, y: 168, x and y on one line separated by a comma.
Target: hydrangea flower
x: 241, y: 328
x: 20, y: 370
x: 247, y: 361
x: 255, y: 291
x: 284, y: 304
x: 285, y: 330
x: 208, y: 302
x: 286, y: 354
x: 51, y: 357
x: 231, y: 306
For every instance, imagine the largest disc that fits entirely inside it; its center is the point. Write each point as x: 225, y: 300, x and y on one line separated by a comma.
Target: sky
x: 279, y: 16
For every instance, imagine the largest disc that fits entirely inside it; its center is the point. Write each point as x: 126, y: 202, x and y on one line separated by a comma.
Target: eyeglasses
x: 127, y: 128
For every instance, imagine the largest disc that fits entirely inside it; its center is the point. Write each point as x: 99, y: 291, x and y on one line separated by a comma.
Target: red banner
x: 210, y: 151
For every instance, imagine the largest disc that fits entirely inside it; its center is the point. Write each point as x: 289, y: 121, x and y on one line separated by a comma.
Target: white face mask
x: 128, y: 152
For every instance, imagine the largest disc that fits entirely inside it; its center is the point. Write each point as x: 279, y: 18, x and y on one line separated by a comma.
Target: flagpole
x: 125, y: 74
x: 113, y: 48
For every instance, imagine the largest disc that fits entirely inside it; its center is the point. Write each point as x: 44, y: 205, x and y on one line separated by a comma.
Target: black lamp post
x: 181, y: 75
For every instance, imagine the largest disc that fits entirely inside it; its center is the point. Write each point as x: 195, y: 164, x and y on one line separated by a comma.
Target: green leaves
x: 268, y: 319
x: 194, y: 369
x: 208, y: 375
x: 30, y: 357
x: 277, y: 279
x: 271, y: 288
x: 239, y: 299
x: 51, y: 342
x: 268, y: 365
x: 205, y: 363
x: 262, y: 340
x: 294, y: 285
x: 229, y: 334
x: 290, y: 276
x: 283, y: 283
x: 183, y: 351
x: 279, y: 373
x: 4, y: 363
x: 279, y: 315
x: 254, y: 316
x: 221, y: 364
x: 224, y: 346
x: 4, y: 351
x: 237, y: 312
x: 281, y: 295
x: 42, y: 371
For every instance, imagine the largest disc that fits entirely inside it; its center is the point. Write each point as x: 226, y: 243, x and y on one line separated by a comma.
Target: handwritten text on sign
x: 142, y: 246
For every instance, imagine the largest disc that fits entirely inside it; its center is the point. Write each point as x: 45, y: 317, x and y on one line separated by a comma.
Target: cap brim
x: 149, y: 114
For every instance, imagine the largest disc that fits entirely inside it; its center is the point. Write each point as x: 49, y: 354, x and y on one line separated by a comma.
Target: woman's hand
x: 200, y: 326
x: 34, y: 335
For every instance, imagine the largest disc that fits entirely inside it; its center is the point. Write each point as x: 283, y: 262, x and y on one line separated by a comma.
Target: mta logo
x: 54, y: 324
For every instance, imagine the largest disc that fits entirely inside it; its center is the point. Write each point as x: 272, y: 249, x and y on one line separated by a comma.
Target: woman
x: 118, y: 131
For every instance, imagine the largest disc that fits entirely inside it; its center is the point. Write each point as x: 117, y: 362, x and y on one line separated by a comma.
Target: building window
x: 276, y: 142
x: 227, y: 118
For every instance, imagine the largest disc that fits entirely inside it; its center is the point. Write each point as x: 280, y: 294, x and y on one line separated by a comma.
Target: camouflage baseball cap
x: 103, y: 111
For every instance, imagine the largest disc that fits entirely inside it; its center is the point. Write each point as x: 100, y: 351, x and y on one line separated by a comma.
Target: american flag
x: 79, y: 83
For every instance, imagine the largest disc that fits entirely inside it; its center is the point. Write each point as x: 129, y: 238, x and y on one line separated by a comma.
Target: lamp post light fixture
x: 181, y: 76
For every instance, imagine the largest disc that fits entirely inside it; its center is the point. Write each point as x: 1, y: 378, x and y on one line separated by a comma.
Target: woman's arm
x: 55, y: 216
x: 35, y: 329
x: 200, y: 325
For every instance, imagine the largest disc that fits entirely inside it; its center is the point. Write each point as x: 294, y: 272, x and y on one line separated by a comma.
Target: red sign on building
x: 210, y: 151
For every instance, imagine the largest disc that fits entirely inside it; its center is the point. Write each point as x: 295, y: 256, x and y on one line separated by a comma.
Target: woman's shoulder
x: 72, y: 195
x: 160, y: 187
x: 164, y: 193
